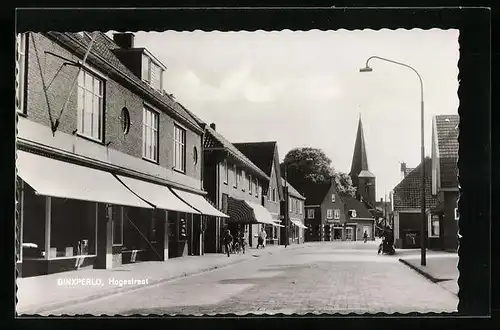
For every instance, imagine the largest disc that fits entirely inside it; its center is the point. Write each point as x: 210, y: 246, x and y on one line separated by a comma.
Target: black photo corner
x: 478, y: 247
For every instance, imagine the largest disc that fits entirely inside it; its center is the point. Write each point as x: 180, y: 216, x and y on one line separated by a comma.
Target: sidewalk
x: 441, y: 268
x: 48, y: 292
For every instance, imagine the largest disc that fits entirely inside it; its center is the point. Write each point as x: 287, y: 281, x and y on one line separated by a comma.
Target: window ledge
x: 179, y: 171
x: 150, y: 160
x: 89, y: 138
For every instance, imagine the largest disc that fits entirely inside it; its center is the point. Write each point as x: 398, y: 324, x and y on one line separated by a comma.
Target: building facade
x: 235, y: 185
x: 265, y: 156
x: 331, y: 216
x: 108, y: 164
x: 292, y: 215
x: 407, y: 210
x: 445, y: 180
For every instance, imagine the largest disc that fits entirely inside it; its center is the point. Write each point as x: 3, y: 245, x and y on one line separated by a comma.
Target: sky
x: 304, y: 88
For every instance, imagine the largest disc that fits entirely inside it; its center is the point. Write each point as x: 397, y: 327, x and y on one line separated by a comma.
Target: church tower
x: 361, y: 176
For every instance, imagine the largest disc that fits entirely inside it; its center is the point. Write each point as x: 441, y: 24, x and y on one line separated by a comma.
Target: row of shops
x: 72, y: 216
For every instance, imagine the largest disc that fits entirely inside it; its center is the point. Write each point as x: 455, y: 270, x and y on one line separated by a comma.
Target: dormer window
x: 152, y: 73
x: 353, y: 213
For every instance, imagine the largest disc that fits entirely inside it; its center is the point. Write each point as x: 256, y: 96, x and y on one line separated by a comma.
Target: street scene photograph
x: 209, y: 173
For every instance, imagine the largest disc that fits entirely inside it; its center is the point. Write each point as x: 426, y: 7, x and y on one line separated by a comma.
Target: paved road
x: 324, y: 277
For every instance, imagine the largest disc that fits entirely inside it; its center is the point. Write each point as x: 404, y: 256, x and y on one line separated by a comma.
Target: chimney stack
x: 124, y: 40
x: 212, y: 126
x: 403, y: 170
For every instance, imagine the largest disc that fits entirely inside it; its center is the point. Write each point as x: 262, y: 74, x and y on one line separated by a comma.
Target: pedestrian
x: 263, y: 236
x: 228, y: 239
x: 365, y: 236
x: 243, y: 242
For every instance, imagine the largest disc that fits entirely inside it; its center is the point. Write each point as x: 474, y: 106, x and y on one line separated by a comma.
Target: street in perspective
x: 207, y: 173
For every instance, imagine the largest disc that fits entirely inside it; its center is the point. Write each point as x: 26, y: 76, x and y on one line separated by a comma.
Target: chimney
x: 403, y: 170
x: 124, y: 40
x: 212, y: 126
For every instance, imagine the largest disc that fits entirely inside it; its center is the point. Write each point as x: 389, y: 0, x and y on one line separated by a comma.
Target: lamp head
x: 366, y: 69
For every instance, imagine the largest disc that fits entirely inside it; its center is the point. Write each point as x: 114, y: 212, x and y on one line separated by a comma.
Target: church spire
x: 359, y: 158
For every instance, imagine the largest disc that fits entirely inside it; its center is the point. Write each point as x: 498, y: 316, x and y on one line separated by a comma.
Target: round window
x: 195, y: 155
x: 125, y: 120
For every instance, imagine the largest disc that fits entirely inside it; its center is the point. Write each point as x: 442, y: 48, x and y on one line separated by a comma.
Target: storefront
x: 297, y: 231
x: 250, y: 216
x: 73, y: 216
x: 62, y: 207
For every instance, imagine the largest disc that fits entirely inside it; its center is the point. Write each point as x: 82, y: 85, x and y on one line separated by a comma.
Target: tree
x: 311, y: 165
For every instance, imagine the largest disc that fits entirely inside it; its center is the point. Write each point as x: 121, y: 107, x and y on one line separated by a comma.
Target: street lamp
x: 367, y: 68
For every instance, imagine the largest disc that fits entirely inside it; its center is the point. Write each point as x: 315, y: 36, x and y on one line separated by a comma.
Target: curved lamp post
x: 423, y: 225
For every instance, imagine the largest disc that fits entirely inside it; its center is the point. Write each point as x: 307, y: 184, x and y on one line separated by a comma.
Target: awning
x: 160, y: 196
x: 199, y: 203
x: 239, y: 211
x: 298, y: 223
x: 261, y: 214
x: 55, y: 178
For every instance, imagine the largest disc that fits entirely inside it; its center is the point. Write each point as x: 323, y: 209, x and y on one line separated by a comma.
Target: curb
x: 418, y: 270
x: 56, y: 305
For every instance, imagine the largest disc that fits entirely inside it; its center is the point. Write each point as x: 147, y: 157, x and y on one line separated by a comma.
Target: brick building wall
x: 58, y: 79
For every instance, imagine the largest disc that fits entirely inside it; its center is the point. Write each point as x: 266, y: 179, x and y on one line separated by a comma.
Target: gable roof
x: 102, y: 48
x: 261, y: 153
x: 315, y: 193
x: 352, y: 203
x: 264, y: 155
x: 447, y: 143
x: 215, y: 141
x: 291, y: 190
x: 407, y: 194
x: 359, y: 157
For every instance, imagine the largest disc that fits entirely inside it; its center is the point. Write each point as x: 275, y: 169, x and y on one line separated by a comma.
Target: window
x: 152, y: 73
x: 250, y: 184
x: 235, y: 177
x: 150, y: 134
x: 336, y: 215
x: 179, y: 148
x: 434, y: 225
x: 125, y: 120
x: 333, y: 198
x: 290, y: 208
x: 310, y: 213
x: 329, y: 214
x: 241, y: 178
x: 225, y: 171
x: 300, y: 207
x: 90, y: 105
x: 353, y: 213
x: 457, y: 215
x: 20, y: 71
x: 117, y: 225
x: 195, y: 155
x: 257, y: 187
x: 274, y: 195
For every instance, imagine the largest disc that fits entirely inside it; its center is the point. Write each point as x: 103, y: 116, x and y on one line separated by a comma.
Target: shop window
x: 136, y: 228
x: 73, y: 228
x: 117, y: 225
x: 434, y: 225
x: 33, y: 243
